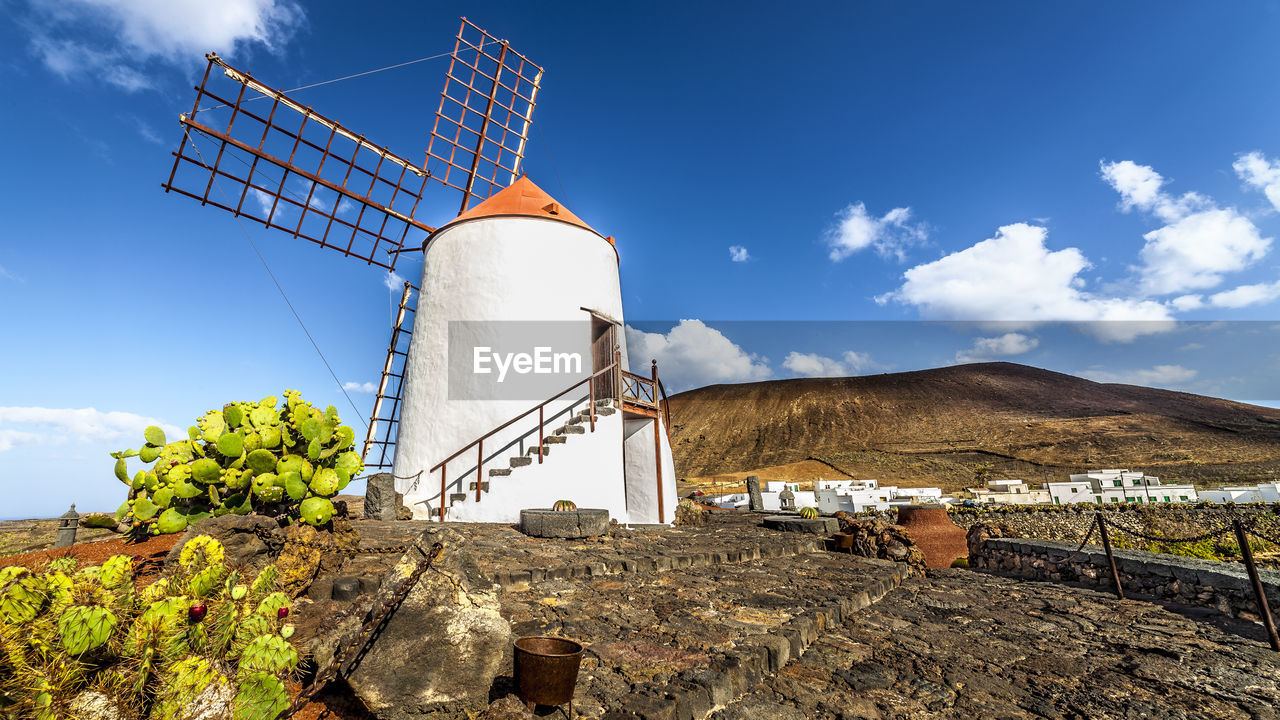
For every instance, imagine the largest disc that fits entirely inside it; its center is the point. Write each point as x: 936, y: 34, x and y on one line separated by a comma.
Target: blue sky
x: 1012, y: 162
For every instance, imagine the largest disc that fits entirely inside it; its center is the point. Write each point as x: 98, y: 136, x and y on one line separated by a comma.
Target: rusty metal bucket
x: 546, y: 669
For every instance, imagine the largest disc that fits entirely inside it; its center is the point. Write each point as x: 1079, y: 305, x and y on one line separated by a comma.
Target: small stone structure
x: 1223, y: 586
x: 67, y: 524
x: 755, y: 501
x: 795, y: 523
x: 564, y: 523
x: 380, y: 497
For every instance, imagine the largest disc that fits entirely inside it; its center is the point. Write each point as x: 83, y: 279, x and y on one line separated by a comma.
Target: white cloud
x: 1246, y: 295
x: 364, y: 387
x: 9, y: 275
x: 1192, y: 346
x: 1166, y: 376
x: 1257, y: 170
x: 1013, y: 277
x: 987, y: 348
x: 693, y: 354
x: 890, y: 235
x: 21, y: 426
x: 737, y: 253
x: 1199, y: 242
x: 815, y: 365
x: 116, y: 37
x: 393, y: 281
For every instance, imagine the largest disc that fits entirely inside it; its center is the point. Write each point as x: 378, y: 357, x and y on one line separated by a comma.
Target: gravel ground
x: 961, y: 644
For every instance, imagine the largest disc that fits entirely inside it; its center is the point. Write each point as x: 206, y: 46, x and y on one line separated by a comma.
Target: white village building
x: 830, y: 496
x: 521, y: 272
x: 1009, y: 492
x: 1112, y: 487
x: 1265, y: 492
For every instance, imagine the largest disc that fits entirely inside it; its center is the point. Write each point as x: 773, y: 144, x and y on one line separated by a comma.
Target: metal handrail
x: 479, y: 442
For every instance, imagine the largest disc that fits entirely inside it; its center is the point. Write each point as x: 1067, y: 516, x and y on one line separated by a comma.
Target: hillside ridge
x: 1039, y: 417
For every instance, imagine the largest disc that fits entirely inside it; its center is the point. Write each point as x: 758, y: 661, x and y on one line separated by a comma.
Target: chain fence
x: 1243, y: 527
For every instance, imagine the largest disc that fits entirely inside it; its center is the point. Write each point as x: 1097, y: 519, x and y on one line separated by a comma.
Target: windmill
x: 507, y: 253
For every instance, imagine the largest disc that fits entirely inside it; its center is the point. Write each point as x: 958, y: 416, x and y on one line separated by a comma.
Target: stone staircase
x: 578, y: 424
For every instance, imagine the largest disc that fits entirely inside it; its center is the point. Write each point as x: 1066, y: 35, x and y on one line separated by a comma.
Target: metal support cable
x: 280, y: 288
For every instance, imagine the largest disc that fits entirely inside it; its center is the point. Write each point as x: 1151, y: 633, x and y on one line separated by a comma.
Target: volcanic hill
x: 956, y: 426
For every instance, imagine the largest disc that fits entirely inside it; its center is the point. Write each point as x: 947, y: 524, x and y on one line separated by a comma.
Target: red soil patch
x: 148, y: 555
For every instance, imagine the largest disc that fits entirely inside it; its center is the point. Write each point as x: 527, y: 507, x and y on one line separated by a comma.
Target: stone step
x: 457, y: 498
x: 571, y: 430
x: 555, y: 439
x: 484, y: 487
x: 543, y: 450
x: 605, y: 411
x: 499, y: 472
x: 521, y: 461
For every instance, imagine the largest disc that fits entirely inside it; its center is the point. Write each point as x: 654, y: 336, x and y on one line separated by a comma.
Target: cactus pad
x: 230, y: 445
x: 84, y: 627
x: 154, y: 435
x: 316, y: 510
x: 262, y: 461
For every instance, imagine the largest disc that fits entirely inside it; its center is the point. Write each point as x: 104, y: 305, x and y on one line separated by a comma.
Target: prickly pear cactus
x: 280, y: 458
x: 201, y: 628
x: 564, y: 506
x: 808, y: 513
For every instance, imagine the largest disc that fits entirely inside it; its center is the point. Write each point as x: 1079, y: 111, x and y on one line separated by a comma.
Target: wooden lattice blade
x: 486, y: 109
x: 281, y: 164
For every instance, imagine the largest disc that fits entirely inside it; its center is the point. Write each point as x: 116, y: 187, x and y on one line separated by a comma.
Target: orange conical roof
x: 521, y: 198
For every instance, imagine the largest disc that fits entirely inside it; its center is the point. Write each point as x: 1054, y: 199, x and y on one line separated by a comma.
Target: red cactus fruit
x: 197, y: 612
x: 282, y: 613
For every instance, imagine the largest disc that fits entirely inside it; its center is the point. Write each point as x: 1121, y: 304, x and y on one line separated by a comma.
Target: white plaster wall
x: 641, y: 474
x: 501, y: 268
x: 586, y: 469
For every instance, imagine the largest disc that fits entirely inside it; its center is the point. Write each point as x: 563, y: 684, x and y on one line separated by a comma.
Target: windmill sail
x: 486, y: 108
x: 379, y: 444
x: 290, y: 168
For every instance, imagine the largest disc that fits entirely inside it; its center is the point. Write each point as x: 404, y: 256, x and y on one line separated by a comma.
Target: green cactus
x: 85, y: 627
x: 238, y: 460
x: 261, y: 696
x: 564, y: 506
x: 316, y: 510
x: 808, y: 513
x: 231, y: 445
x: 154, y: 435
x: 270, y: 654
x: 187, y: 679
x: 325, y: 482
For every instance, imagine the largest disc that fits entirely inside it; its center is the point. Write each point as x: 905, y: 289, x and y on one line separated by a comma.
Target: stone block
x: 569, y: 524
x: 448, y: 629
x: 380, y: 497
x: 795, y: 523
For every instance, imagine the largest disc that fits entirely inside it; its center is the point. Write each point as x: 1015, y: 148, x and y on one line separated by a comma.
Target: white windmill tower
x: 517, y: 266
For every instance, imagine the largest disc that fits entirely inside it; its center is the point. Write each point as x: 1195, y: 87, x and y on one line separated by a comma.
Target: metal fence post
x: 1111, y: 558
x: 1264, y: 608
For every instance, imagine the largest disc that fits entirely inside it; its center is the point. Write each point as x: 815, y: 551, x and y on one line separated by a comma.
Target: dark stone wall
x: 1223, y: 586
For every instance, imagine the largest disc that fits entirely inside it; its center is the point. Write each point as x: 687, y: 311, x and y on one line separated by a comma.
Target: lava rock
x: 239, y: 535
x: 380, y: 497
x: 448, y: 630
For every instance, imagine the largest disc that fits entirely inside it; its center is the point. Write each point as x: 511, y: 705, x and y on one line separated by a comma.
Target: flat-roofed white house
x: 1264, y: 492
x: 1009, y: 492
x: 1113, y: 487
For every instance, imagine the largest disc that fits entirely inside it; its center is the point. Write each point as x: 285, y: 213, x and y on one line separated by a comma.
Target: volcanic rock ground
x: 961, y: 644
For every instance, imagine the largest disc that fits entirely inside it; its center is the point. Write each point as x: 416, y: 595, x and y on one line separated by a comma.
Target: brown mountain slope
x: 1000, y: 415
